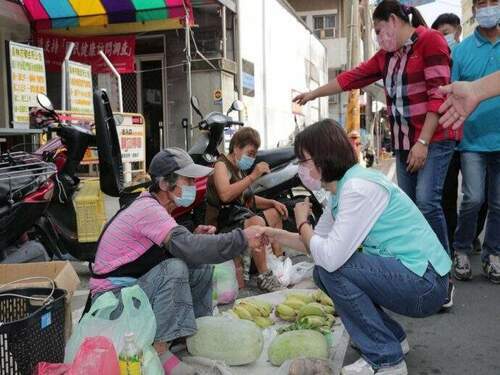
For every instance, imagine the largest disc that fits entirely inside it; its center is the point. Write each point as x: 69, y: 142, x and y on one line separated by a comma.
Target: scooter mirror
x: 196, y: 105
x: 45, y: 102
x: 237, y: 106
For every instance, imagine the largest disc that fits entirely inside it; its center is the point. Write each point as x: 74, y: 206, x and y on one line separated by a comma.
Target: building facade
x: 327, y: 20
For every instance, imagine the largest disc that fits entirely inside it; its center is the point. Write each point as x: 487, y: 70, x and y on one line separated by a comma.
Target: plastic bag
x: 286, y: 272
x: 225, y: 285
x: 137, y: 317
x: 305, y: 366
x: 97, y: 355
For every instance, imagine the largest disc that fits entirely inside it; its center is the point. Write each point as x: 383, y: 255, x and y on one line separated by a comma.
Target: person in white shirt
x: 402, y: 266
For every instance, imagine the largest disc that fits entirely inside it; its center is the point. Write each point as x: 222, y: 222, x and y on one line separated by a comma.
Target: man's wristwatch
x: 423, y: 141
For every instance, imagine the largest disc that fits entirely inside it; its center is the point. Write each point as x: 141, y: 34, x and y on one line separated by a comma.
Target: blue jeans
x: 474, y: 168
x: 366, y: 284
x: 425, y: 187
x: 178, y: 294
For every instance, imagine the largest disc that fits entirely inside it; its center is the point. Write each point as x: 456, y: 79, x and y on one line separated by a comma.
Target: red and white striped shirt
x: 411, y: 78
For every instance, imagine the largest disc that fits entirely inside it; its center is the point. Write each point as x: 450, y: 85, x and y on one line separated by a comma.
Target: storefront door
x: 151, y: 101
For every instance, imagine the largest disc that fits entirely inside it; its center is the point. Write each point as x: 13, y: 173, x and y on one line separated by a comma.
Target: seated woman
x: 232, y: 205
x: 402, y: 266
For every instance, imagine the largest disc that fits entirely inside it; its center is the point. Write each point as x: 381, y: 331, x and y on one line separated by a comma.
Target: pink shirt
x: 129, y: 236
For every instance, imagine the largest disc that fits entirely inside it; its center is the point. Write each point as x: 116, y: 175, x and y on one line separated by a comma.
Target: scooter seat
x: 275, y: 157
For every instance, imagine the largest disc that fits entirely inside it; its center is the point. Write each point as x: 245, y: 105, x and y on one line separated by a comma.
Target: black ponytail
x: 387, y: 7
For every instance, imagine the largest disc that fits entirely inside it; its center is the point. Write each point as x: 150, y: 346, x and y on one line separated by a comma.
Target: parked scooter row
x: 49, y: 203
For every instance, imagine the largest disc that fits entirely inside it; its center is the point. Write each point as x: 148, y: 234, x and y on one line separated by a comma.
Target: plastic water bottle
x: 130, y: 358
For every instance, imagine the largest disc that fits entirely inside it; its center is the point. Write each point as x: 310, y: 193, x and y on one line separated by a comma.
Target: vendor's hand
x: 303, y: 98
x: 281, y: 208
x: 205, y: 229
x: 256, y: 237
x: 302, y: 211
x: 260, y: 169
x: 417, y: 157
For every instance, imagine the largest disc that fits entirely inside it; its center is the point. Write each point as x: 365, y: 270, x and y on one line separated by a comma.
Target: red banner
x: 120, y: 50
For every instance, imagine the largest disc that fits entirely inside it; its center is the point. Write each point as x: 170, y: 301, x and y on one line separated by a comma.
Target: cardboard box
x: 62, y: 272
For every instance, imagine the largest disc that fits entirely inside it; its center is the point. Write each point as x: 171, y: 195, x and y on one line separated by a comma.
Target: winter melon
x: 234, y: 341
x: 297, y: 344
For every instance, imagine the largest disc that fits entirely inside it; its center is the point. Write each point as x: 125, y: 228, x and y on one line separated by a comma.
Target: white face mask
x: 488, y: 17
x: 450, y: 39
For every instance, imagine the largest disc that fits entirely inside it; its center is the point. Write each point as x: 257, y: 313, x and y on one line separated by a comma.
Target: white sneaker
x: 405, y: 346
x: 361, y: 367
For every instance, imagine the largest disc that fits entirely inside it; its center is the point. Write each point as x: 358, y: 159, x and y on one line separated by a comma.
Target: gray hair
x: 170, y: 179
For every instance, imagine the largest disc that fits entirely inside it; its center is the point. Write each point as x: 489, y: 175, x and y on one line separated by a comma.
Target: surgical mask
x: 188, y: 195
x: 450, y: 39
x: 309, y: 182
x: 246, y: 162
x: 387, y: 38
x: 488, y: 17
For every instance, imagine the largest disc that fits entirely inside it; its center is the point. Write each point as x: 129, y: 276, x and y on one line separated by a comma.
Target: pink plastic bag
x: 96, y: 355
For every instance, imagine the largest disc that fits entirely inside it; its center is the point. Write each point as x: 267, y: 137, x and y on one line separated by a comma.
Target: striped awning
x: 96, y: 17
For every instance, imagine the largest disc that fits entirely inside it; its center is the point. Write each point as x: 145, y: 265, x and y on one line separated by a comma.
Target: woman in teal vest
x: 402, y: 266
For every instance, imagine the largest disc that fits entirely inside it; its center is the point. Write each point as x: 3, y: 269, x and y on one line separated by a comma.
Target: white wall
x: 278, y: 44
x: 336, y: 47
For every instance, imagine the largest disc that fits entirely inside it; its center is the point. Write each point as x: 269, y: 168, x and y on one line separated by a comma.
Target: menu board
x: 80, y: 87
x: 27, y: 77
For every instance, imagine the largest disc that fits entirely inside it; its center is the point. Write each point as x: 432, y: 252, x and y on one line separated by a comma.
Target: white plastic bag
x: 286, y: 272
x: 225, y: 285
x: 139, y: 320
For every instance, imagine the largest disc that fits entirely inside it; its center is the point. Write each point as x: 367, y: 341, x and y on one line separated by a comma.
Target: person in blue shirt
x: 448, y: 24
x: 477, y: 56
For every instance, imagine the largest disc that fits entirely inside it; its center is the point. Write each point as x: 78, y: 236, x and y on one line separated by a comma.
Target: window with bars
x: 325, y: 26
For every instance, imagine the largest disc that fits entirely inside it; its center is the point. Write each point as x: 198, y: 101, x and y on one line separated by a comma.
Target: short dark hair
x: 446, y: 19
x: 244, y: 137
x: 329, y: 147
x: 387, y: 7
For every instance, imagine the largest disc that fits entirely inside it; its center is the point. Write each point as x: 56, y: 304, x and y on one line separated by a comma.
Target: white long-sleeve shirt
x: 335, y: 239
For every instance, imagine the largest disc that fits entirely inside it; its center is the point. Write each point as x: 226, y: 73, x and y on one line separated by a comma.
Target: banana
x: 307, y: 298
x: 328, y: 309
x: 242, y: 312
x: 312, y: 321
x: 330, y: 320
x: 294, y: 303
x: 263, y: 322
x: 286, y: 312
x: 324, y: 330
x: 251, y: 308
x: 312, y: 308
x: 325, y: 300
x: 264, y: 307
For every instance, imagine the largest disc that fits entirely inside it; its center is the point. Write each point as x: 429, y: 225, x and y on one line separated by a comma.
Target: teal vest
x: 401, y: 231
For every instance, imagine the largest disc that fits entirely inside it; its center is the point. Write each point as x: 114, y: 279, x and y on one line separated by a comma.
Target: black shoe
x: 461, y: 267
x: 448, y: 302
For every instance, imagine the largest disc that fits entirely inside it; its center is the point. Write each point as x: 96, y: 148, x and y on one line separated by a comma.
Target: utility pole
x: 352, y: 123
x: 367, y: 53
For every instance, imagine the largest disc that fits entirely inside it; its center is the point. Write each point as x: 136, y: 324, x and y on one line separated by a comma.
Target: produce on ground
x: 254, y: 310
x: 234, y: 341
x: 297, y: 344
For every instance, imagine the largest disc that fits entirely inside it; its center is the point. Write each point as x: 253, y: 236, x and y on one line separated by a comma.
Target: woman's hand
x: 417, y: 157
x: 205, y: 229
x: 303, y: 98
x: 302, y: 211
x: 260, y: 169
x: 256, y: 237
x: 281, y: 208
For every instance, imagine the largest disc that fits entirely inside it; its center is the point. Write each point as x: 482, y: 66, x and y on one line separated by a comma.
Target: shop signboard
x: 413, y: 3
x: 120, y: 50
x: 27, y: 77
x: 80, y: 87
x: 131, y: 133
x: 248, y: 78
